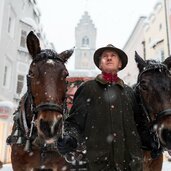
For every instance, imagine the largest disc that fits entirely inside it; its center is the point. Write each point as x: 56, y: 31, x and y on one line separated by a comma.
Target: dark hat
x: 122, y: 55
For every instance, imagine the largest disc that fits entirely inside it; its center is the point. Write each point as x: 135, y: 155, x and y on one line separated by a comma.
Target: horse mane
x: 152, y: 62
x: 153, y: 65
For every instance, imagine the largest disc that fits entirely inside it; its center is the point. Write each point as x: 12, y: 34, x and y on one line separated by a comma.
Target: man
x: 102, y: 115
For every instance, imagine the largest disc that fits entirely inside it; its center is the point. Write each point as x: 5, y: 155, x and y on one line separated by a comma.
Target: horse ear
x: 65, y: 55
x: 140, y: 62
x: 167, y: 62
x: 33, y: 44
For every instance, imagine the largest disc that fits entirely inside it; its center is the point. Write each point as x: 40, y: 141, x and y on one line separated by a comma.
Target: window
x: 22, y: 70
x: 162, y: 55
x: 23, y: 38
x: 20, y: 83
x: 7, y: 74
x: 149, y: 40
x: 160, y: 27
x: 85, y: 41
x: 9, y: 25
x: 11, y: 22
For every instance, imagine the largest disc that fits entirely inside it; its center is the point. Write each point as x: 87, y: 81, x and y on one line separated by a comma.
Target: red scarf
x: 110, y: 77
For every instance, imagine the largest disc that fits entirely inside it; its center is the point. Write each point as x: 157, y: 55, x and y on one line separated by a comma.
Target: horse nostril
x: 166, y: 137
x: 45, y: 128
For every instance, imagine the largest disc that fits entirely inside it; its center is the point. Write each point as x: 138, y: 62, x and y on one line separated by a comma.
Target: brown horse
x: 39, y: 119
x: 154, y: 90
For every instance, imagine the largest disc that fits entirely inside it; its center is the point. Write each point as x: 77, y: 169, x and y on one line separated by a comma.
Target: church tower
x: 85, y: 42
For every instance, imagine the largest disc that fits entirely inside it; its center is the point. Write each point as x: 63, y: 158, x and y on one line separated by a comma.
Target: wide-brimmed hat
x: 122, y: 55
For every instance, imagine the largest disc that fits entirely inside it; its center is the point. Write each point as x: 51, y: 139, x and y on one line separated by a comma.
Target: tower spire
x: 86, y: 5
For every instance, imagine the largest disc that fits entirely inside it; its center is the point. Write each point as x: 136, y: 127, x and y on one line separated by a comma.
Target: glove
x: 66, y: 144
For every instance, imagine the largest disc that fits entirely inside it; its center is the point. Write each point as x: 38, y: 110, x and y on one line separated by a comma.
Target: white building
x: 85, y: 45
x: 135, y: 43
x: 17, y: 19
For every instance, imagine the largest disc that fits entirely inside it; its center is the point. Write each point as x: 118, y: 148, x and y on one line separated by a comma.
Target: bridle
x: 60, y: 108
x: 153, y: 122
x: 167, y: 112
x: 45, y: 54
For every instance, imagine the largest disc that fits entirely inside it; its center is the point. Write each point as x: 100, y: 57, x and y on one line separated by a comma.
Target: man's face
x: 110, y: 62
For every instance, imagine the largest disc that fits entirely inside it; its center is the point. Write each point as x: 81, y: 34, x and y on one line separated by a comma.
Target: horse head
x: 47, y: 87
x: 154, y: 90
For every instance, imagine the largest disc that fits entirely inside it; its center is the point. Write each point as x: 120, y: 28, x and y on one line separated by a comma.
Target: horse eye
x: 143, y: 85
x: 31, y: 74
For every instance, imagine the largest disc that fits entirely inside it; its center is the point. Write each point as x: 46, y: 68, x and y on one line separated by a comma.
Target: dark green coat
x: 103, y: 115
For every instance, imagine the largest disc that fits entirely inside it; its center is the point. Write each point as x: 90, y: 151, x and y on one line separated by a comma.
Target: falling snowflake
x: 88, y: 100
x: 112, y: 106
x: 155, y: 127
x: 42, y: 167
x: 50, y: 61
x: 64, y: 168
x: 109, y: 138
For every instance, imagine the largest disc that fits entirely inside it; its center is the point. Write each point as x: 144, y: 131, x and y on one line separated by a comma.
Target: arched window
x: 85, y: 41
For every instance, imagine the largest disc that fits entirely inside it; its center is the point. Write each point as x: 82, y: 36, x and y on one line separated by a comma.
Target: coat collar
x: 99, y: 78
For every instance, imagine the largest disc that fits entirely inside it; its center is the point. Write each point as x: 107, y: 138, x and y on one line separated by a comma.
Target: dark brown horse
x: 154, y: 90
x: 39, y: 119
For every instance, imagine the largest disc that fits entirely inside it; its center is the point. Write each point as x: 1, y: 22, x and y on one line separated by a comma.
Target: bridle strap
x: 23, y: 118
x: 49, y: 106
x: 42, y: 106
x: 141, y: 102
x: 163, y: 113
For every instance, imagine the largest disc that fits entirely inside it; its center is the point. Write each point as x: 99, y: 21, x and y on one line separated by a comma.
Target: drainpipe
x: 167, y: 31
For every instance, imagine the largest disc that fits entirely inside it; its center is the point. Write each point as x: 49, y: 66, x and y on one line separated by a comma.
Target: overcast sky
x: 114, y: 19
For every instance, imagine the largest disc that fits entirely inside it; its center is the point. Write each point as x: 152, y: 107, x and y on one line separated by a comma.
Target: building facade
x: 149, y: 38
x: 155, y: 34
x: 136, y: 42
x: 17, y: 19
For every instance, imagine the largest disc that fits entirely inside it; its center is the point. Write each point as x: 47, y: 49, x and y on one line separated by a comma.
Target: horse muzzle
x: 49, y: 130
